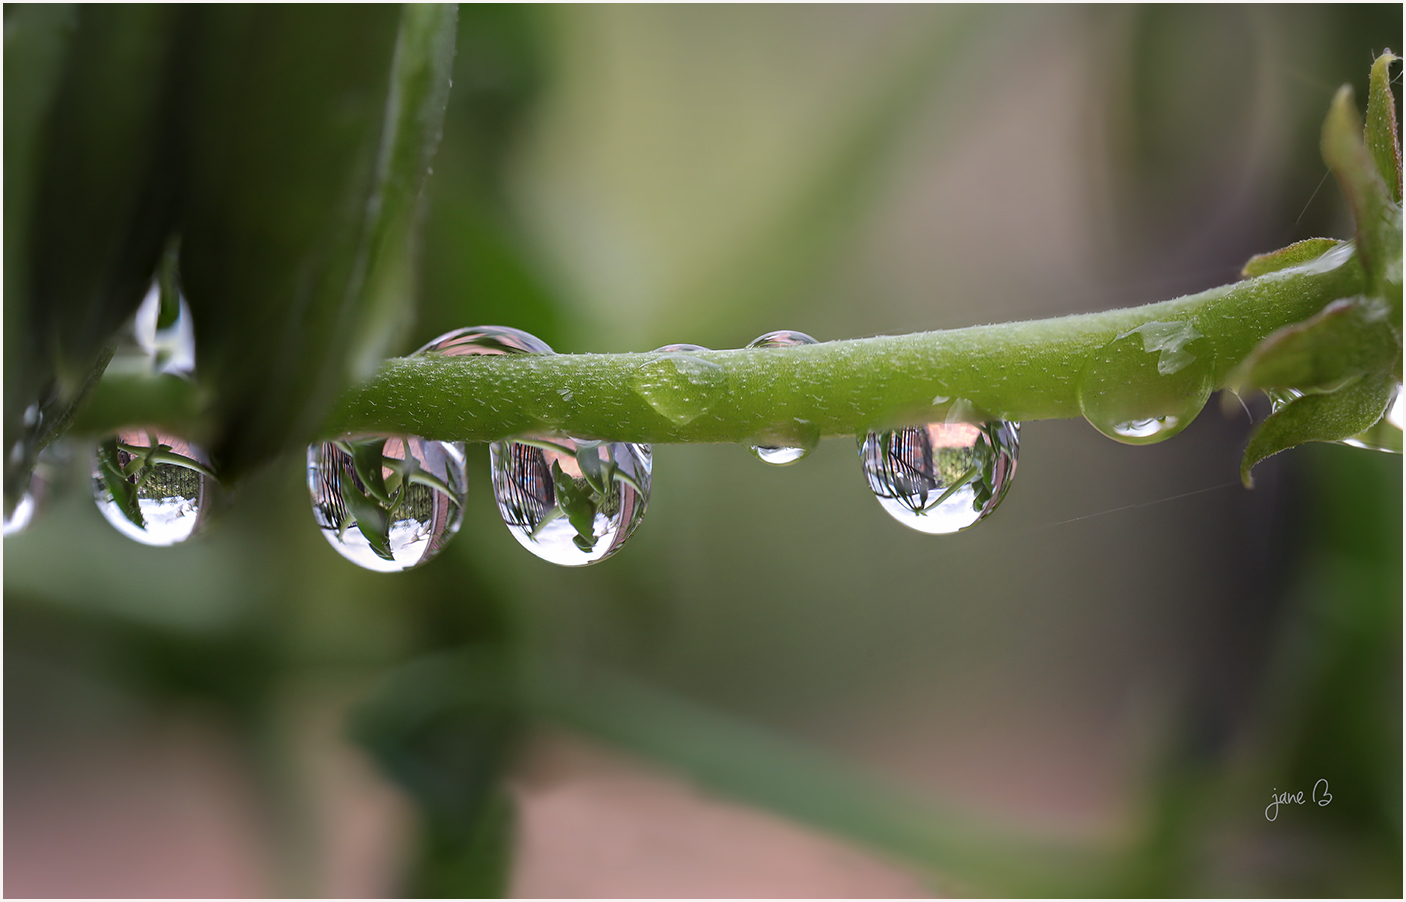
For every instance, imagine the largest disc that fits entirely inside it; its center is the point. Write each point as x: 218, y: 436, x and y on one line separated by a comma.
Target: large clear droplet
x: 943, y: 477
x: 1147, y: 384
x: 807, y: 434
x: 387, y: 504
x: 155, y: 488
x: 479, y: 340
x: 165, y: 329
x: 568, y: 501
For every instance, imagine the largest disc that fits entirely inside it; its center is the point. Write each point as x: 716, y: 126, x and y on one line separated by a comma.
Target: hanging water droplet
x: 165, y: 330
x: 808, y: 434
x: 1147, y: 384
x: 153, y: 487
x: 679, y: 386
x: 477, y: 340
x: 387, y: 504
x: 568, y: 501
x: 942, y: 477
x: 28, y: 506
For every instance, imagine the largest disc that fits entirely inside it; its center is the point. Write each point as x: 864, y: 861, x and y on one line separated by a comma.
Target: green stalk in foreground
x: 1319, y: 317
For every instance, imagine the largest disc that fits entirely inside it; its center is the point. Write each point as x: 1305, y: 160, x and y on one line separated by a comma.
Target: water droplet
x: 153, y: 487
x: 569, y: 501
x: 807, y: 433
x: 679, y: 349
x: 474, y: 340
x: 28, y: 505
x: 1147, y: 384
x: 387, y: 504
x: 166, y: 335
x: 781, y: 338
x: 943, y: 477
x: 678, y: 385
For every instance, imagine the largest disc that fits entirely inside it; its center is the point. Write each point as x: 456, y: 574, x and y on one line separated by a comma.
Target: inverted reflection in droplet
x: 569, y: 501
x: 387, y: 504
x: 808, y: 439
x: 166, y: 331
x: 942, y: 477
x: 153, y: 487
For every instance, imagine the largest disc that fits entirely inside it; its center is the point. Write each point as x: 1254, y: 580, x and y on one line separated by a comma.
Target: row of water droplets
x: 390, y: 503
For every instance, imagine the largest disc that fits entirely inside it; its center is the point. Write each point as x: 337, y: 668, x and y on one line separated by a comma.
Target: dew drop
x: 387, y: 504
x: 780, y: 455
x: 480, y: 340
x: 153, y: 487
x: 1173, y: 383
x: 942, y: 477
x: 569, y: 501
x: 679, y: 385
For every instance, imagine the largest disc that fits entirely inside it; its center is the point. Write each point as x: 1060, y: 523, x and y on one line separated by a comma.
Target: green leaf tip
x: 1350, y: 337
x: 1381, y: 132
x: 1330, y: 417
x: 1293, y: 255
x: 1376, y: 215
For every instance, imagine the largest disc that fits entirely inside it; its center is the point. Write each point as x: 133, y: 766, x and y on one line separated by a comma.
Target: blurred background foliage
x: 1094, y: 692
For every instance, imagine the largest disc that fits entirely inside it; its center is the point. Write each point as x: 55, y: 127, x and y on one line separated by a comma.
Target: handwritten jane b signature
x: 1320, y: 796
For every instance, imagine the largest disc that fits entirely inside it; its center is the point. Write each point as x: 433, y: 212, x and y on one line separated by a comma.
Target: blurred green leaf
x: 308, y: 132
x: 105, y: 200
x: 37, y: 37
x: 444, y: 728
x: 1318, y: 418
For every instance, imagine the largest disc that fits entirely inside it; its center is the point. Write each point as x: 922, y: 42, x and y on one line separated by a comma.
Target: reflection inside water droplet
x: 481, y: 340
x: 153, y: 487
x: 166, y: 331
x: 943, y: 477
x: 387, y: 504
x: 569, y: 501
x: 1147, y: 384
x: 780, y: 455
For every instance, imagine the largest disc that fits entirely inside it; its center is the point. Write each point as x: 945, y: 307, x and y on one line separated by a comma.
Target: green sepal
x: 1348, y: 338
x: 1376, y: 216
x: 1382, y: 139
x: 1293, y: 255
x: 1319, y: 418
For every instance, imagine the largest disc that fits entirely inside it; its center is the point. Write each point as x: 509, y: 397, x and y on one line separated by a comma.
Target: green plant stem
x: 1015, y: 371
